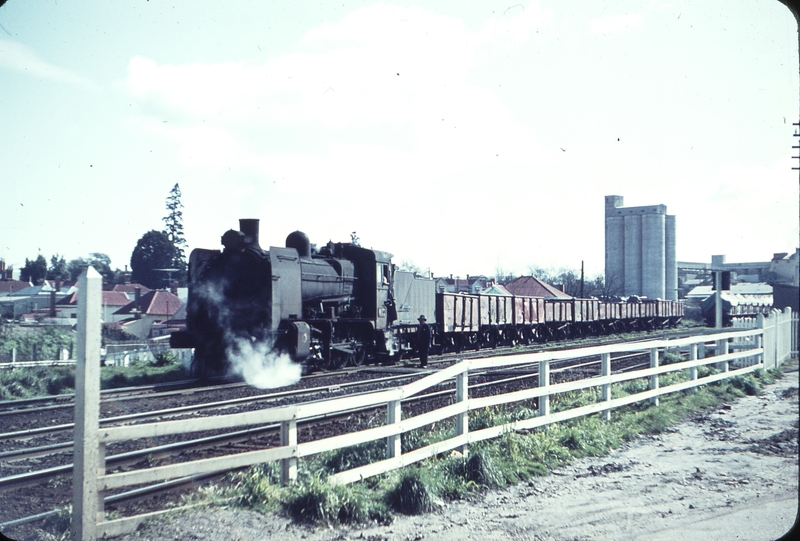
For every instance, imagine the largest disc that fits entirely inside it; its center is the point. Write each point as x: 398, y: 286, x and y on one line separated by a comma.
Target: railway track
x: 259, y: 437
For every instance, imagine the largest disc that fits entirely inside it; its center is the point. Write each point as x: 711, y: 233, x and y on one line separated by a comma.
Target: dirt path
x: 724, y: 475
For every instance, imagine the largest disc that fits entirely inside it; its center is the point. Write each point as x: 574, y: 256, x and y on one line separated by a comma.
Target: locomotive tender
x: 343, y: 304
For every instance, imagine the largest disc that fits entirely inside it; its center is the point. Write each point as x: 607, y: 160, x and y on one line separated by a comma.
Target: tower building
x: 640, y: 250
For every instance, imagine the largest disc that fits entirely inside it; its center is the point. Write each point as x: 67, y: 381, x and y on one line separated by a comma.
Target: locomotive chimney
x: 249, y: 226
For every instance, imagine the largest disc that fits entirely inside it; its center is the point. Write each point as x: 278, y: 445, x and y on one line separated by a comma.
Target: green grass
x: 46, y: 342
x: 36, y: 381
x: 114, y: 377
x: 508, y: 459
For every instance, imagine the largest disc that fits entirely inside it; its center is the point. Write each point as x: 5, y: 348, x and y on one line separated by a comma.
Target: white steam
x: 260, y: 366
x: 255, y: 361
x: 390, y: 343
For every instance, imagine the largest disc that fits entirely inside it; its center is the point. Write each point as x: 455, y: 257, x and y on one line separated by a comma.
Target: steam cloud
x: 260, y: 366
x: 255, y: 361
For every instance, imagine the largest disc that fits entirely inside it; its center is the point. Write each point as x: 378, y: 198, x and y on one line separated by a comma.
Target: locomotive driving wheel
x: 357, y: 357
x: 337, y: 359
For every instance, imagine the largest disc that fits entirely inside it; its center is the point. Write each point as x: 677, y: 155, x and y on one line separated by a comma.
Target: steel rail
x: 136, y: 392
x: 199, y: 407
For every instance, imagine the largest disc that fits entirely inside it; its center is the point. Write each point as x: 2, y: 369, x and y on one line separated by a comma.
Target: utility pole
x: 582, y: 295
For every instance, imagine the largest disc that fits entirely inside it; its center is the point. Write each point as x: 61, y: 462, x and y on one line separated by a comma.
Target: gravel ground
x: 726, y: 474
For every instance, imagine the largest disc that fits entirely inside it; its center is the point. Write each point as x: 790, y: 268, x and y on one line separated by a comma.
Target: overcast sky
x: 462, y: 136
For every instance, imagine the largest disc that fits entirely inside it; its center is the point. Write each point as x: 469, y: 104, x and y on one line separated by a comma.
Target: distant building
x: 784, y: 275
x: 153, y: 307
x: 529, y: 286
x: 691, y: 274
x: 111, y: 301
x: 778, y: 278
x: 496, y: 289
x: 470, y: 284
x: 640, y: 250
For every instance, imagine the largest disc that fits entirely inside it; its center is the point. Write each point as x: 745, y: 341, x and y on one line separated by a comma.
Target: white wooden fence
x: 780, y: 334
x: 91, y: 479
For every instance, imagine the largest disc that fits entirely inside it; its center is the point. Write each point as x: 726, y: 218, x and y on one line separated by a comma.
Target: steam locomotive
x: 326, y: 308
x: 343, y: 304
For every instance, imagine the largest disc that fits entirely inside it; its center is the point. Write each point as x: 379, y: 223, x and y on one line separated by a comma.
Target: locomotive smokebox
x: 299, y: 241
x: 249, y: 226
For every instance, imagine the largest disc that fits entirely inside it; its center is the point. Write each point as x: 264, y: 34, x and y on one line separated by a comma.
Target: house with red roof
x: 530, y: 286
x: 111, y: 301
x: 156, y: 306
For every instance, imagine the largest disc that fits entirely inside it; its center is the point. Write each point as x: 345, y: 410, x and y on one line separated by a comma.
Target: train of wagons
x: 343, y: 304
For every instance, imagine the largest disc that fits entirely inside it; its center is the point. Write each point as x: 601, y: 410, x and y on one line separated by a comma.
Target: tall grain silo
x: 640, y: 250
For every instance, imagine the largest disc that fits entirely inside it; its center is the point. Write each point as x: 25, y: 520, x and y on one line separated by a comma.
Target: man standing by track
x: 423, y: 341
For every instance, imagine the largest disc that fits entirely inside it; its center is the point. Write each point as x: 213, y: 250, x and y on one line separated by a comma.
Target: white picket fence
x: 91, y: 479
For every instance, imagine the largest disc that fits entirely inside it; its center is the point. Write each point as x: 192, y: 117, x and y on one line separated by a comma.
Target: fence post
x: 288, y: 438
x: 654, y: 377
x: 101, y: 470
x: 722, y: 348
x: 773, y: 318
x: 605, y: 370
x: 544, y: 381
x: 13, y: 355
x: 760, y: 340
x: 393, y: 415
x: 87, y: 504
x: 462, y: 419
x: 693, y: 369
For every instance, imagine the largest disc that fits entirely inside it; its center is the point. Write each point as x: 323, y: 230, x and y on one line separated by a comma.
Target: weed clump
x: 481, y: 469
x: 258, y: 487
x: 413, y: 494
x: 30, y: 382
x: 746, y: 383
x: 315, y: 501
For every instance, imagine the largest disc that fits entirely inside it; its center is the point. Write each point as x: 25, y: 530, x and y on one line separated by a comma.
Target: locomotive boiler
x: 325, y: 308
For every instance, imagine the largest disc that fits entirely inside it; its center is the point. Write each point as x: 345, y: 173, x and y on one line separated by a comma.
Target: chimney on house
x: 126, y: 276
x: 137, y: 308
x: 52, y: 303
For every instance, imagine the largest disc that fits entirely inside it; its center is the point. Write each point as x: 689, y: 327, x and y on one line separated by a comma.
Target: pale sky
x: 462, y: 136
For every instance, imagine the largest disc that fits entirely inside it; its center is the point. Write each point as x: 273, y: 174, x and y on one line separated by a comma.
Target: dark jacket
x: 423, y: 336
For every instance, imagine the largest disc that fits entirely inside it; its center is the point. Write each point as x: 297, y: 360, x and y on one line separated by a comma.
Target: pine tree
x: 173, y: 229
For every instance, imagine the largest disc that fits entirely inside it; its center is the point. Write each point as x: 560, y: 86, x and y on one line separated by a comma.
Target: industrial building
x: 640, y: 250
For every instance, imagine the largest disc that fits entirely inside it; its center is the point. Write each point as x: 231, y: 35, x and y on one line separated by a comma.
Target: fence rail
x: 766, y: 346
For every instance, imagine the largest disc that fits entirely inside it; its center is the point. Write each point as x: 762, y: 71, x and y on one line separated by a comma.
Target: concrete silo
x: 640, y: 250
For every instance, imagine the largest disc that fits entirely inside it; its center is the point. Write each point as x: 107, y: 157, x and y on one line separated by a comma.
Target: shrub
x: 746, y: 383
x: 258, y: 487
x: 164, y: 358
x: 481, y: 469
x: 413, y: 495
x: 316, y: 501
